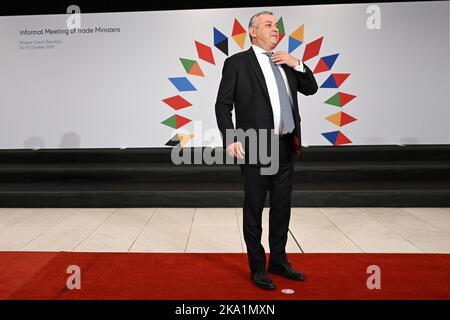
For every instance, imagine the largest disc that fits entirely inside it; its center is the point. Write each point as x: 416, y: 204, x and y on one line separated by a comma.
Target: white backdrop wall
x: 105, y: 89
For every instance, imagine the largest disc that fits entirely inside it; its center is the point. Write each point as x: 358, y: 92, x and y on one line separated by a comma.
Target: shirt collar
x: 258, y: 50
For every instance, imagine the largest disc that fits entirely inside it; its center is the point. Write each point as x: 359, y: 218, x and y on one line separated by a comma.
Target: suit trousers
x: 279, y: 187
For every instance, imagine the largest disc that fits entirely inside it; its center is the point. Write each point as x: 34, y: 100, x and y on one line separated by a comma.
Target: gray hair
x: 253, y: 20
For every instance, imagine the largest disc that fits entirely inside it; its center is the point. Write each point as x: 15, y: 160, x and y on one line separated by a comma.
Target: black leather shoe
x: 285, y: 270
x: 262, y: 280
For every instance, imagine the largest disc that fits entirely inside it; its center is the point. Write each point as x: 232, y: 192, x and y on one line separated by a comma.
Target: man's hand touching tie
x: 283, y: 57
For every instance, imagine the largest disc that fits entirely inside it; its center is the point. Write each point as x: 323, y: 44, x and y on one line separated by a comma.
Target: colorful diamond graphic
x: 340, y: 99
x: 326, y: 63
x: 335, y: 80
x: 204, y: 52
x: 220, y: 41
x: 182, y: 84
x: 192, y: 67
x: 336, y: 138
x: 340, y: 119
x: 312, y: 49
x: 177, y: 102
x: 296, y: 38
x: 281, y: 31
x: 176, y: 121
x: 238, y: 34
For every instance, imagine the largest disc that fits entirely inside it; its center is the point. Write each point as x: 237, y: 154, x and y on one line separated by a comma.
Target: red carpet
x: 38, y: 275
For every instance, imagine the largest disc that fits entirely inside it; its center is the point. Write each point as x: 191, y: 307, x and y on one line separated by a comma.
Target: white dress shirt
x: 271, y: 83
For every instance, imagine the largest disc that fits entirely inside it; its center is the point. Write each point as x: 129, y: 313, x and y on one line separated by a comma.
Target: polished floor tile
x: 315, y: 233
x: 10, y: 216
x: 19, y: 234
x: 418, y: 232
x: 67, y: 235
x: 381, y: 230
x: 167, y: 231
x: 366, y: 232
x: 437, y: 217
x: 118, y: 232
x: 214, y: 230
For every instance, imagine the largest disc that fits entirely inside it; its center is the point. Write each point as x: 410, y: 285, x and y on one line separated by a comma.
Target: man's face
x: 265, y: 34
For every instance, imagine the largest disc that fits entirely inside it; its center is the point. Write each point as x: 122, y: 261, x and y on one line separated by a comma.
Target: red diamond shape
x: 312, y: 49
x: 204, y: 52
x: 177, y: 102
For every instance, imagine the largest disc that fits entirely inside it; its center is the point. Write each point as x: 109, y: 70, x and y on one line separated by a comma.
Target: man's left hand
x: 283, y: 57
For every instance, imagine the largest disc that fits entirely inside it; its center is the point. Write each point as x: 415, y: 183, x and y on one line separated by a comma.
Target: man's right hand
x: 236, y: 150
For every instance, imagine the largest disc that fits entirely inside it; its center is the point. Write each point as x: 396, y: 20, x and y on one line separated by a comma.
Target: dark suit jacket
x: 243, y: 85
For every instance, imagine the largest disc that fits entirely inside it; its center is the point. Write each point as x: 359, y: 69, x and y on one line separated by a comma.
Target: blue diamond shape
x: 182, y: 84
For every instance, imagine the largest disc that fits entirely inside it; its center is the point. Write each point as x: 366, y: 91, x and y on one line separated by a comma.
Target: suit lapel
x: 260, y: 76
x: 258, y: 72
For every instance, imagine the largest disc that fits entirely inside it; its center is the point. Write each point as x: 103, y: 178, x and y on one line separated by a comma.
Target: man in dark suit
x: 262, y: 87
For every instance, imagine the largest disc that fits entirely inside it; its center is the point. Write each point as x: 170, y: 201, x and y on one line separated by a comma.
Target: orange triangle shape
x: 196, y: 70
x: 335, y: 118
x: 240, y: 39
x: 298, y: 34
